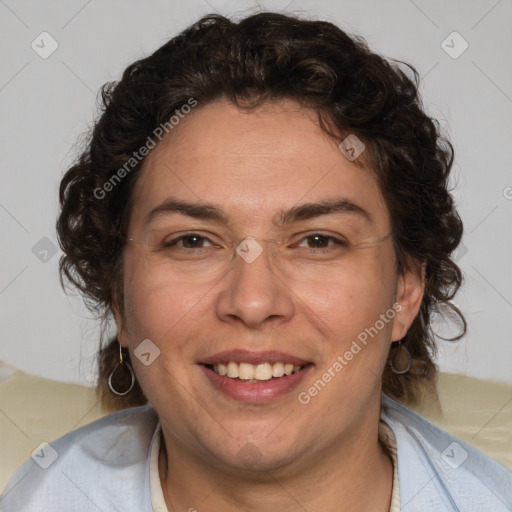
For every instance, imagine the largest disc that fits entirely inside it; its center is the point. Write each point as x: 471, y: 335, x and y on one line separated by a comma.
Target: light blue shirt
x: 439, y: 473
x: 105, y: 466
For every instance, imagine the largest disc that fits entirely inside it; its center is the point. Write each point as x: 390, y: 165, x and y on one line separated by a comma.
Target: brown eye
x: 191, y: 241
x: 320, y: 241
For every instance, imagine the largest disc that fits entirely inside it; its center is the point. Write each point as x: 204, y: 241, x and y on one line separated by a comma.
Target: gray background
x: 46, y: 103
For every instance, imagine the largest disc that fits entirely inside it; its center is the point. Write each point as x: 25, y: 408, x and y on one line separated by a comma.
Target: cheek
x: 353, y: 298
x: 156, y: 307
x: 164, y: 314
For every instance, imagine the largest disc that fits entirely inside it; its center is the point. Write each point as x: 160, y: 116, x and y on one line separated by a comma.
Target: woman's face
x: 329, y: 305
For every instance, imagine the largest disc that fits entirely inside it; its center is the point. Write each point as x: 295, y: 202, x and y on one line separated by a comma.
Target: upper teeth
x: 262, y: 371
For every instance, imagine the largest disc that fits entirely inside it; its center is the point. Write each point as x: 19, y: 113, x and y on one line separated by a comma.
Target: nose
x: 254, y: 294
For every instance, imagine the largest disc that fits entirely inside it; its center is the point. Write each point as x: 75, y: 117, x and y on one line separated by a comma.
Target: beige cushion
x: 34, y: 410
x: 478, y: 412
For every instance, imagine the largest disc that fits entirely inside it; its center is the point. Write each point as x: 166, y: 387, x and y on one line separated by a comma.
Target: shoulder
x: 440, y: 472
x: 102, y: 466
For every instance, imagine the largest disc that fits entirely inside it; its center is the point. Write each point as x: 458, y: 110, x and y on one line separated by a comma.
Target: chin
x: 255, y: 459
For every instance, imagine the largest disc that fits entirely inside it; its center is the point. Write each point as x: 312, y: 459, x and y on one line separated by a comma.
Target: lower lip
x: 256, y: 392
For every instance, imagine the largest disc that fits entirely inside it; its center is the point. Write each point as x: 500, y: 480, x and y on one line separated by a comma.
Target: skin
x: 315, y: 456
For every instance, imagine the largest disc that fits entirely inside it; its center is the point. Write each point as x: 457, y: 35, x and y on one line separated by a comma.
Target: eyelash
x: 175, y: 241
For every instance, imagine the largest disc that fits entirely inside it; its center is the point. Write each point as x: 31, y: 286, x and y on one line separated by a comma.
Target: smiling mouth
x: 253, y: 373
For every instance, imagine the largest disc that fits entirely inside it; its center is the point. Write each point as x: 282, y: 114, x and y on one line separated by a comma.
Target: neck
x: 355, y: 475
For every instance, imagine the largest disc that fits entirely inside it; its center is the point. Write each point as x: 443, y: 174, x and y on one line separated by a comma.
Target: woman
x: 263, y: 209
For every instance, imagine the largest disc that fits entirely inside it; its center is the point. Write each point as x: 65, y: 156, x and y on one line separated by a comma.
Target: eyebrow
x: 306, y: 211
x: 202, y: 211
x: 327, y: 207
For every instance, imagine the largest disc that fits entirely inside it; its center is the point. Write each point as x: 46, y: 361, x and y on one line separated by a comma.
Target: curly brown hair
x: 267, y: 57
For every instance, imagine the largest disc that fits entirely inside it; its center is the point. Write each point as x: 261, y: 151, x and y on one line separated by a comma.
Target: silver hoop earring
x: 400, y: 361
x: 121, y: 366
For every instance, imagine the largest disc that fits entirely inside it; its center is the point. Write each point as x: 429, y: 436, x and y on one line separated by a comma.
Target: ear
x: 409, y: 295
x: 118, y: 317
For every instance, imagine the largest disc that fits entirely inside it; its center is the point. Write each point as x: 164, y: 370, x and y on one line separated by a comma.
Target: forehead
x: 254, y: 163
